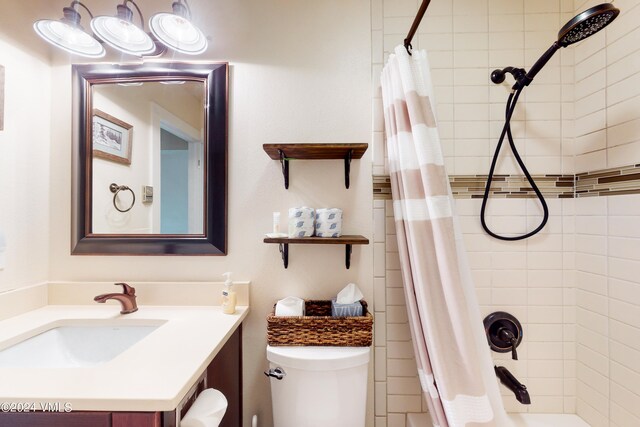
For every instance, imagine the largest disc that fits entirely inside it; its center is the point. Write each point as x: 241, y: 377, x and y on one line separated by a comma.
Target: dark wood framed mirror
x: 149, y: 162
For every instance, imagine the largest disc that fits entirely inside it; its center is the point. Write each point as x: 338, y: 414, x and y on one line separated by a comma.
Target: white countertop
x: 152, y: 375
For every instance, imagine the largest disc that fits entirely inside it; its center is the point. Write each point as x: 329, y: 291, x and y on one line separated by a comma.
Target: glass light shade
x: 122, y: 35
x: 178, y: 33
x: 69, y: 37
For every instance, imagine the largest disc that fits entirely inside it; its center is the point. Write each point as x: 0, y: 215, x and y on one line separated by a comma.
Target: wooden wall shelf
x: 315, y: 151
x: 347, y: 240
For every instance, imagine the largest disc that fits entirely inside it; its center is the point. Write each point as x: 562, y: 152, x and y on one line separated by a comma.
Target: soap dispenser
x: 228, y: 296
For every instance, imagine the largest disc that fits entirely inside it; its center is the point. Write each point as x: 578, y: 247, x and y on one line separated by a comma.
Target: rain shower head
x: 587, y: 24
x: 578, y: 28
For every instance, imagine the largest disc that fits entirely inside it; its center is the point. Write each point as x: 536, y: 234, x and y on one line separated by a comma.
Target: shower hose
x: 506, y: 131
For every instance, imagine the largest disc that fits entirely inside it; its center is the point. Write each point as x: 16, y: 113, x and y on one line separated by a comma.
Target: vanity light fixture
x: 176, y: 31
x: 67, y: 33
x: 121, y: 33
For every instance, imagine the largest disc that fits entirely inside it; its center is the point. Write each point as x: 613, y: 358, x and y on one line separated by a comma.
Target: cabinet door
x: 136, y: 419
x: 225, y: 374
x: 52, y: 419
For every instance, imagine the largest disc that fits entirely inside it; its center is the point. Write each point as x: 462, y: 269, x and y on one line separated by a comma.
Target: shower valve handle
x: 513, y: 342
x: 507, y: 336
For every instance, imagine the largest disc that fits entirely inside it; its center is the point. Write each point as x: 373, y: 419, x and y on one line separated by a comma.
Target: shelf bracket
x: 347, y: 168
x: 284, y: 253
x: 285, y: 168
x: 348, y: 249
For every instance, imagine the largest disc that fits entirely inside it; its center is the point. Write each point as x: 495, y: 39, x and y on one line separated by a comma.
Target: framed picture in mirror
x: 112, y: 138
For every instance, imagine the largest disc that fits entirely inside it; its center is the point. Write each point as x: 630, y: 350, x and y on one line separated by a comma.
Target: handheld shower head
x: 587, y: 24
x: 578, y: 28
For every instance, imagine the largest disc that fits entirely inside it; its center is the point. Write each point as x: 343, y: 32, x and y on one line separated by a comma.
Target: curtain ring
x: 115, y: 189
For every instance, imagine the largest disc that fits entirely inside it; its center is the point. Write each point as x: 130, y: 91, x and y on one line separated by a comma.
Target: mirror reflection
x: 148, y: 140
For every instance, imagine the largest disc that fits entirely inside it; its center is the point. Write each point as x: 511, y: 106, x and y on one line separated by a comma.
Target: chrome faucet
x: 127, y: 298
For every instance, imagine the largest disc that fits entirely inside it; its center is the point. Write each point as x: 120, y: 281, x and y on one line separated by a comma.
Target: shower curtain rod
x: 415, y: 25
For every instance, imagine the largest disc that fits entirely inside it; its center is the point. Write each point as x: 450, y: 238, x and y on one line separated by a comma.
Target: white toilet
x: 319, y: 386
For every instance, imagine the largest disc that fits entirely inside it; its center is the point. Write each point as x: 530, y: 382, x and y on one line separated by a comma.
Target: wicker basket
x: 319, y: 328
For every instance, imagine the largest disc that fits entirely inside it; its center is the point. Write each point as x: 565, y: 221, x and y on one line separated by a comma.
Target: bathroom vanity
x: 152, y: 383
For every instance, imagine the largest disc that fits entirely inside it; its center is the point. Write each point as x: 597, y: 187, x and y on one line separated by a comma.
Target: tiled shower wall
x: 532, y: 279
x: 607, y: 111
x: 576, y: 286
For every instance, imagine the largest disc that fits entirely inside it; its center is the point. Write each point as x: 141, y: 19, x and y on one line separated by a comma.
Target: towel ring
x: 115, y: 189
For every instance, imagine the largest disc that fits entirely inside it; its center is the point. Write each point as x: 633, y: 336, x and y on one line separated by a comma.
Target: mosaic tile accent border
x: 605, y: 182
x: 503, y: 186
x: 609, y: 182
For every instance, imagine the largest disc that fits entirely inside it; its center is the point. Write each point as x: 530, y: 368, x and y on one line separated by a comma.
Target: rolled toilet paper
x: 207, y: 410
x: 301, y: 222
x: 329, y: 222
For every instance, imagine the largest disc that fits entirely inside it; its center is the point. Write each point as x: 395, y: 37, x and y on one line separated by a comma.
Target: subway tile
x: 401, y: 368
x: 628, y: 378
x: 541, y: 6
x: 621, y: 416
x: 624, y: 269
x: 626, y: 399
x: 398, y: 332
x: 403, y: 386
x: 380, y: 363
x: 589, y: 414
x: 498, y: 7
x: 625, y: 312
x: 544, y: 296
x: 396, y: 420
x: 595, y: 399
x: 470, y: 23
x: 399, y: 403
x: 380, y: 398
x: 399, y: 8
x: 380, y: 329
x: 379, y: 294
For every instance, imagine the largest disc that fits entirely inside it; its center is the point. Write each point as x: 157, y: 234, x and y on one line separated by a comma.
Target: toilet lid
x: 318, y: 358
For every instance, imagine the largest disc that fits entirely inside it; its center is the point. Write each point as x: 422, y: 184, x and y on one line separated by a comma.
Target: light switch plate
x: 147, y: 194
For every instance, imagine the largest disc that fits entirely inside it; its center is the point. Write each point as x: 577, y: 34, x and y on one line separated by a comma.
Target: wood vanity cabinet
x: 223, y: 373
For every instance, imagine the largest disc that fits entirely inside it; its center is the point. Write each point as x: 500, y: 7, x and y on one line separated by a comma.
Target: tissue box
x: 319, y: 328
x: 343, y: 310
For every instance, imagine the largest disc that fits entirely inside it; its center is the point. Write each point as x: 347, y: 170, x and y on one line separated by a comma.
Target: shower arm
x: 522, y: 77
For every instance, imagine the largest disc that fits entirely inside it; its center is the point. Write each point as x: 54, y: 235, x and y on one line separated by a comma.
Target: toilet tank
x: 322, y: 386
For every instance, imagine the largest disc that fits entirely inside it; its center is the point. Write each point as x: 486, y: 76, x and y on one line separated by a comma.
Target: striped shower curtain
x: 454, y: 365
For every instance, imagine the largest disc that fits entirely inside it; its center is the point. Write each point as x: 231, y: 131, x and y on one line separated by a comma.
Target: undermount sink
x: 74, y: 344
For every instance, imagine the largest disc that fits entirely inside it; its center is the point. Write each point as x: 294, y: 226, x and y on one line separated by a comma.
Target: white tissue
x: 329, y: 222
x: 290, y: 306
x: 207, y: 410
x: 301, y: 222
x: 350, y: 294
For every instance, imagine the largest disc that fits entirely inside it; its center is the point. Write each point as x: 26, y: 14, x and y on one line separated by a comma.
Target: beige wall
x: 25, y: 144
x: 300, y: 72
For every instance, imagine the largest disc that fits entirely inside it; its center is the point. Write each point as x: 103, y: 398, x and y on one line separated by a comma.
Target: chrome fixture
x: 68, y: 34
x: 277, y: 373
x: 578, y: 28
x: 176, y: 31
x: 127, y: 298
x: 172, y: 30
x: 121, y: 33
